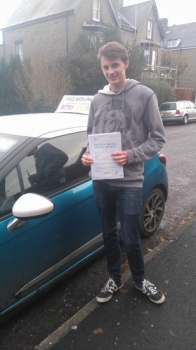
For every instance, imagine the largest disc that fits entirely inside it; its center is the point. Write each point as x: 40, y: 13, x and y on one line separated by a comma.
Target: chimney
x: 164, y: 23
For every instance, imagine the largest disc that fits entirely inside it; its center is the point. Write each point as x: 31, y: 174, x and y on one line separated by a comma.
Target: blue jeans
x: 128, y: 201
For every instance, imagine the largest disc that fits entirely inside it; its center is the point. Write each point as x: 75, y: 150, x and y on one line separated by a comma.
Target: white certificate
x: 101, y: 146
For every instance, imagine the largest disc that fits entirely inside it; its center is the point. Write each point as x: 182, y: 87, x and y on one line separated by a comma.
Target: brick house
x: 180, y: 39
x: 48, y: 28
x: 148, y: 33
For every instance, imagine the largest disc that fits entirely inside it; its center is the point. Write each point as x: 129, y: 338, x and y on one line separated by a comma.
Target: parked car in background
x: 178, y: 111
x: 49, y: 224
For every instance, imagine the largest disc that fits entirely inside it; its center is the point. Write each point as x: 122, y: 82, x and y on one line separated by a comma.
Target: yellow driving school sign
x: 74, y: 104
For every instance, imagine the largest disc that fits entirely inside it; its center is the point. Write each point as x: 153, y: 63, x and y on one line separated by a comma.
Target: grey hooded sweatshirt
x: 134, y: 113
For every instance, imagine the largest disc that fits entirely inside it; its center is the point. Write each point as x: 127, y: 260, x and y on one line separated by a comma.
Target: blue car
x: 49, y: 224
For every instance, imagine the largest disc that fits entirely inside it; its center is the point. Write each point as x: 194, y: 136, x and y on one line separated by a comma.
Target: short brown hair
x: 113, y: 50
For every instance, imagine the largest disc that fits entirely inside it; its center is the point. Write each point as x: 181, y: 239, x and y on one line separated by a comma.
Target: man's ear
x: 126, y: 64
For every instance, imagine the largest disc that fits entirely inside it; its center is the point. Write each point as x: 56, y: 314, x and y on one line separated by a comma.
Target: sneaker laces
x: 110, y: 286
x: 149, y: 288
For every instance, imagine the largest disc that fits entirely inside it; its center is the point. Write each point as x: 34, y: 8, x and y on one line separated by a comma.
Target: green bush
x: 162, y: 89
x: 9, y: 103
x: 83, y: 67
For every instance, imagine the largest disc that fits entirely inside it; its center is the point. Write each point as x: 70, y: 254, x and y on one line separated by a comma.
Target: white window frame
x: 96, y: 10
x: 154, y: 60
x: 173, y: 43
x: 147, y: 56
x: 149, y: 30
x: 19, y: 50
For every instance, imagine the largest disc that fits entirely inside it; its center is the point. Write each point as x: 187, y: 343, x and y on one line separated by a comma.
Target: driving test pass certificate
x: 101, y: 146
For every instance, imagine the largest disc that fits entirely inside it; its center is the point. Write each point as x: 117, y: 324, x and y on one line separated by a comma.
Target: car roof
x: 169, y: 102
x: 177, y: 101
x: 184, y: 101
x: 42, y: 124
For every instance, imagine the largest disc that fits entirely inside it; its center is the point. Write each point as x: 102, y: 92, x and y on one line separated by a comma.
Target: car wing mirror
x: 32, y: 206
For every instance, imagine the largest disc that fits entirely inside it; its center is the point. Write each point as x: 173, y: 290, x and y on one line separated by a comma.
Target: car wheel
x: 185, y: 120
x: 152, y: 212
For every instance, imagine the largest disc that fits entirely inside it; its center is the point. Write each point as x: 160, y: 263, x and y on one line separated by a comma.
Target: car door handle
x: 14, y: 224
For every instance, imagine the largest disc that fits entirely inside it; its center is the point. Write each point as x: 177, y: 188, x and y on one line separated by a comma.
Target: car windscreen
x: 168, y: 106
x: 8, y: 143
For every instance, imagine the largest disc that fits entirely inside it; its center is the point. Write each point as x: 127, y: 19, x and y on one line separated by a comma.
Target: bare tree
x: 180, y: 60
x: 41, y: 84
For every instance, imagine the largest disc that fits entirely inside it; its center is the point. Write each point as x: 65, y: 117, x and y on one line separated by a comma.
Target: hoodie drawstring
x: 123, y: 101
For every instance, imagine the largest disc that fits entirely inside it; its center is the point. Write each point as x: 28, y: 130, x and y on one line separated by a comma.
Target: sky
x: 177, y: 12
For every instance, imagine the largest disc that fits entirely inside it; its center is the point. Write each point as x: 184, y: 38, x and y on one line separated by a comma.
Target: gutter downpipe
x: 135, y: 34
x: 66, y: 28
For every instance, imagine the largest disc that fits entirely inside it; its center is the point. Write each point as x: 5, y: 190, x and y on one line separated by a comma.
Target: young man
x: 131, y: 109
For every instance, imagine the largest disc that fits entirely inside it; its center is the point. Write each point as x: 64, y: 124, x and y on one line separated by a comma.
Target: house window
x: 154, y: 60
x: 149, y: 30
x: 19, y: 50
x: 173, y: 43
x: 147, y: 56
x: 96, y: 10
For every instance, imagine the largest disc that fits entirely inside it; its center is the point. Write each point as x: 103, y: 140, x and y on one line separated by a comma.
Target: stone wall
x: 51, y: 38
x: 188, y: 79
x: 156, y: 37
x: 185, y: 94
x: 47, y: 39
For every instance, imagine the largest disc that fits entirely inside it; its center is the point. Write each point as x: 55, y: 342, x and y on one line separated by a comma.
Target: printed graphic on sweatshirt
x: 115, y: 116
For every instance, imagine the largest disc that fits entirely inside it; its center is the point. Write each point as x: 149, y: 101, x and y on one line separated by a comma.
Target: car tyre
x: 185, y: 120
x: 152, y: 212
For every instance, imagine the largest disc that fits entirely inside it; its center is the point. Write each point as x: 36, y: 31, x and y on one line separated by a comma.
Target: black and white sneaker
x: 108, y: 290
x: 148, y: 288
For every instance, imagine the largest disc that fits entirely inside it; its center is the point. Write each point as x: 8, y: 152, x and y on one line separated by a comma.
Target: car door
x: 193, y: 110
x: 39, y: 251
x: 189, y: 109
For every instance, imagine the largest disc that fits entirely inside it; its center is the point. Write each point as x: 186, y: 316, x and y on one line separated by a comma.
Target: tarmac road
x: 130, y: 320
x: 32, y: 325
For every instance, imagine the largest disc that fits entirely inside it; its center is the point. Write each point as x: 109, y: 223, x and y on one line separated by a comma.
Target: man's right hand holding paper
x: 86, y: 160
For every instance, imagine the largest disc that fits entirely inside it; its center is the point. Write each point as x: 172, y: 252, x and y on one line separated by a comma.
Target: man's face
x: 115, y: 72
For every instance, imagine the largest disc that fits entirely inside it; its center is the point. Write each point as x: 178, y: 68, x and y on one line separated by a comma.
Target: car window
x: 181, y: 105
x: 168, y: 106
x: 55, y: 164
x: 51, y: 167
x: 187, y: 104
x: 8, y: 143
x: 192, y: 105
x: 10, y: 191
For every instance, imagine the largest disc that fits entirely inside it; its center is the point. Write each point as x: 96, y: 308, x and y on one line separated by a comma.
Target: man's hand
x: 121, y: 157
x: 86, y: 160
